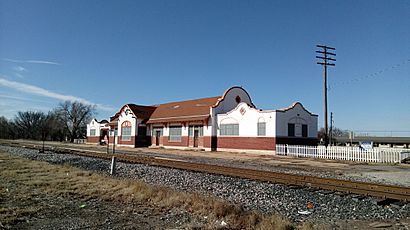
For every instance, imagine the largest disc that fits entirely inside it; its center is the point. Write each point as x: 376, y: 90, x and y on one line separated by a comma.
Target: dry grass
x: 65, y: 181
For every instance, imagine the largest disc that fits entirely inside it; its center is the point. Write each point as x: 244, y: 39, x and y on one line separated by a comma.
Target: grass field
x: 35, y: 194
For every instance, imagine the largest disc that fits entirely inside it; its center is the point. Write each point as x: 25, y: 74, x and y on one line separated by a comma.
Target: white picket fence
x: 380, y: 155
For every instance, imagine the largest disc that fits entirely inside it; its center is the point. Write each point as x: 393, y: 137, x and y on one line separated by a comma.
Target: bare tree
x: 7, y: 129
x: 57, y: 128
x: 75, y: 116
x: 30, y: 124
x: 336, y: 132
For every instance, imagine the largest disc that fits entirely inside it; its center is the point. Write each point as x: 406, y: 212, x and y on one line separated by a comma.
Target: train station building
x: 230, y: 122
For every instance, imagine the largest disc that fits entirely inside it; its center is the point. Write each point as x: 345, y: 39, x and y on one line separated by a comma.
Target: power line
x: 372, y: 75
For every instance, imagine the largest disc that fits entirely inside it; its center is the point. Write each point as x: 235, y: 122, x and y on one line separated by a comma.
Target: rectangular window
x: 291, y: 130
x: 261, y: 129
x: 92, y: 132
x: 155, y: 130
x: 190, y: 131
x: 126, y: 133
x: 304, y: 130
x: 142, y: 131
x: 192, y: 128
x: 175, y: 133
x: 229, y: 130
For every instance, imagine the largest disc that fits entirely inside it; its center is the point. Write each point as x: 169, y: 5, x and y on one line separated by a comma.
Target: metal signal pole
x: 325, y: 60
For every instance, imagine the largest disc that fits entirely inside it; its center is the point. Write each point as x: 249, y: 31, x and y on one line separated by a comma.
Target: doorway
x: 103, y: 137
x: 196, y: 134
x: 157, y: 137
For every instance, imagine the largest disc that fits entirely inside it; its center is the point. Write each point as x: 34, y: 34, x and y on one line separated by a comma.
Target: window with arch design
x: 261, y: 127
x: 92, y: 132
x: 229, y: 129
x: 126, y: 131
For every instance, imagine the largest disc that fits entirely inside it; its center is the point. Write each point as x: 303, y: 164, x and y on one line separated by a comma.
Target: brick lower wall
x: 93, y: 139
x: 241, y: 143
x: 206, y: 141
x: 252, y: 143
x: 124, y: 142
x: 182, y: 143
x: 160, y: 140
x: 191, y: 141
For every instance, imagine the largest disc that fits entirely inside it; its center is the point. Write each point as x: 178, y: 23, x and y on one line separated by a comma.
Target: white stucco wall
x: 93, y: 125
x: 248, y: 118
x: 208, y: 128
x: 229, y: 101
x: 127, y: 117
x: 297, y: 115
x: 227, y: 104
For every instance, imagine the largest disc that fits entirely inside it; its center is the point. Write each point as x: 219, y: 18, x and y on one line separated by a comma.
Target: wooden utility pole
x: 325, y: 61
x: 331, y: 128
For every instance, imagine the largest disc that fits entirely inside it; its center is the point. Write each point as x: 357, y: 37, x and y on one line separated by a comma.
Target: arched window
x: 229, y: 127
x: 126, y: 131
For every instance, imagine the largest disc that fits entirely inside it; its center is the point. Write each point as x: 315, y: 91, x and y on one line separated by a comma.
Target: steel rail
x: 345, y: 186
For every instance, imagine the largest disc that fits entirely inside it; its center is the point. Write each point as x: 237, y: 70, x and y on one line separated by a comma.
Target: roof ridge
x: 191, y: 100
x: 132, y: 104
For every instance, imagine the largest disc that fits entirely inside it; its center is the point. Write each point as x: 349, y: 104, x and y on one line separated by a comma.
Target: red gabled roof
x: 190, y: 110
x: 141, y: 111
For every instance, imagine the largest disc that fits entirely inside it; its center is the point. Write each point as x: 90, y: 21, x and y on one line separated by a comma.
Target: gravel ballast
x: 290, y: 202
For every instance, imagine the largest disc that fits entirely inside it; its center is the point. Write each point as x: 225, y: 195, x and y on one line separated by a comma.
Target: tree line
x: 66, y: 122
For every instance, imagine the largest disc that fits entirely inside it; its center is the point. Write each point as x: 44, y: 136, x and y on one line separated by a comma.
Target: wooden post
x: 325, y: 62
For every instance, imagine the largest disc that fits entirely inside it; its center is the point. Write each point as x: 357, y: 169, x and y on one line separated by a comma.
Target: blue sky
x: 147, y: 52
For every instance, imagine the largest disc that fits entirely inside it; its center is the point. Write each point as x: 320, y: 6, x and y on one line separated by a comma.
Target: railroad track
x: 345, y: 186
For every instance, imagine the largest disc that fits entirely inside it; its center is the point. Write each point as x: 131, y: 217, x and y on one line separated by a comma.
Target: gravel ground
x: 393, y: 179
x: 356, y: 172
x: 353, y: 171
x: 291, y: 202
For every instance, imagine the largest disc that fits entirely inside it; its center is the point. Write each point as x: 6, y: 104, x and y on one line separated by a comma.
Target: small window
x: 126, y: 131
x: 291, y: 130
x: 192, y: 128
x: 261, y: 129
x: 229, y: 130
x: 92, y: 132
x: 304, y: 130
x: 175, y: 133
x: 155, y: 130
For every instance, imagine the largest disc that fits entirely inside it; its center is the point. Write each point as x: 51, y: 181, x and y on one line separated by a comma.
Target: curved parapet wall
x: 231, y: 98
